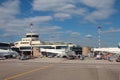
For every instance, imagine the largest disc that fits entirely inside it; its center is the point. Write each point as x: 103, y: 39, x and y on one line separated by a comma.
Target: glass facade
x: 32, y: 36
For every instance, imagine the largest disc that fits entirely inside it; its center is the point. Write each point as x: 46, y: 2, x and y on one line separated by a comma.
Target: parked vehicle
x: 71, y: 54
x: 118, y: 59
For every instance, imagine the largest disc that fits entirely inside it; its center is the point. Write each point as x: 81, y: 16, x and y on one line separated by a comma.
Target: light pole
x: 99, y: 36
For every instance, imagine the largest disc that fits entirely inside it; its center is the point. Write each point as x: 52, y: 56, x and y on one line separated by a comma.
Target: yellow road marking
x: 28, y: 72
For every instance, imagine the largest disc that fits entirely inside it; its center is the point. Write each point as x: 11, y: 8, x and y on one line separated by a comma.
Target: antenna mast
x: 99, y: 36
x: 31, y: 25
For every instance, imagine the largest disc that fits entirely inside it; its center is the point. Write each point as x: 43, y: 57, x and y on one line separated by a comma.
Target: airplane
x: 108, y: 49
x: 53, y: 52
x: 8, y: 53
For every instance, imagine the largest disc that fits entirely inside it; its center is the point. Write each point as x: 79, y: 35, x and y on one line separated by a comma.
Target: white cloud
x: 46, y: 5
x: 20, y: 25
x: 99, y: 15
x: 99, y: 4
x: 9, y: 9
x: 62, y: 16
x: 66, y: 7
x: 11, y: 25
x: 39, y: 19
x: 76, y: 33
x: 111, y: 30
x: 88, y: 36
x: 50, y: 29
x: 25, y: 21
x: 60, y: 8
x: 73, y: 34
x: 101, y: 9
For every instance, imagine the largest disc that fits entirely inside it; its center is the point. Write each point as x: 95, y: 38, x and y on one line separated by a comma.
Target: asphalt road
x: 23, y: 70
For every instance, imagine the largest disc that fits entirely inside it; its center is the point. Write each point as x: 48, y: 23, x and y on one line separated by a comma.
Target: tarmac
x: 63, y: 60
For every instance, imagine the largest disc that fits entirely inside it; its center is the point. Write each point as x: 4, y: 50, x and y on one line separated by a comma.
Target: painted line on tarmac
x: 28, y: 72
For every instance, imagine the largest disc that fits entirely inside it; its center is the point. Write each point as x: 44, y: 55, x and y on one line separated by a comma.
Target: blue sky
x: 74, y: 21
